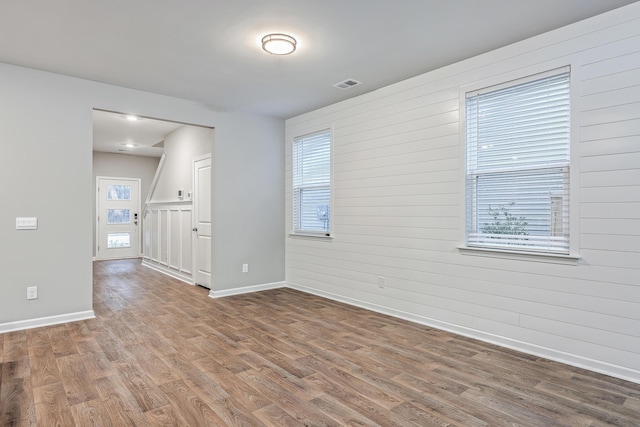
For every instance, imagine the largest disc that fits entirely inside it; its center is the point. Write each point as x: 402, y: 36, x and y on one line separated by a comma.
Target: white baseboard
x: 246, y: 289
x: 169, y: 272
x: 535, y: 350
x: 116, y: 259
x: 46, y: 321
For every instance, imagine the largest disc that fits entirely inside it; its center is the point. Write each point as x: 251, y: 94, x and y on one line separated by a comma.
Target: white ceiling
x: 114, y: 133
x: 208, y: 50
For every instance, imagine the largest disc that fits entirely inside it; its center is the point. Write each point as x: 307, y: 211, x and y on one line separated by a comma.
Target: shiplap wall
x: 398, y: 205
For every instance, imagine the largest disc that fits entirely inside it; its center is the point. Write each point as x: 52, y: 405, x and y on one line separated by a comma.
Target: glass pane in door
x: 118, y: 240
x: 119, y: 192
x: 118, y: 216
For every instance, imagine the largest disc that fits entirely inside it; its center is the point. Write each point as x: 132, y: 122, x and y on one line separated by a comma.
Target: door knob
x: 194, y: 229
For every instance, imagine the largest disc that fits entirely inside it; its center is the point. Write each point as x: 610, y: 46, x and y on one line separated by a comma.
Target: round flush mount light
x: 279, y: 44
x: 132, y: 118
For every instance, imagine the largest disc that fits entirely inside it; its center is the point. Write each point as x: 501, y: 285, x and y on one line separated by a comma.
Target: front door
x: 202, y: 221
x: 118, y: 218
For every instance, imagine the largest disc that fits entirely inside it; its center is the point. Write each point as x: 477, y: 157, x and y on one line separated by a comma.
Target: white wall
x: 398, y: 205
x: 251, y: 221
x: 167, y: 218
x: 123, y: 166
x: 46, y: 132
x: 180, y: 148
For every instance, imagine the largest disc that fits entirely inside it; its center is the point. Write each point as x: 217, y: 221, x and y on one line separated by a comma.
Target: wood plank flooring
x: 160, y: 352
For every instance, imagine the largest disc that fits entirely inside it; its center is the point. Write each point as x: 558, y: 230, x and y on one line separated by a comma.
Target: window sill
x: 312, y: 235
x: 520, y: 255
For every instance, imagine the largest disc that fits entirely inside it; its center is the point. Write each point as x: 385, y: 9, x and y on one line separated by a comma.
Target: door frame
x: 139, y: 205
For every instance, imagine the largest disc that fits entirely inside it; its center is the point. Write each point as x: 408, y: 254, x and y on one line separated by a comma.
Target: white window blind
x: 517, y: 180
x: 312, y: 183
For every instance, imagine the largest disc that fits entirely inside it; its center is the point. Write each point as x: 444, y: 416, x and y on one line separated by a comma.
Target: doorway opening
x: 159, y: 155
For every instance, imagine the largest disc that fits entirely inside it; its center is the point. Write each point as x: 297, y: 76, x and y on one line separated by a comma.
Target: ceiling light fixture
x: 279, y: 44
x: 132, y: 118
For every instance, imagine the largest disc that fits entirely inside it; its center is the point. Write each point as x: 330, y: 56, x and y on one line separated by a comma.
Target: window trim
x: 329, y: 234
x: 519, y: 255
x: 507, y: 79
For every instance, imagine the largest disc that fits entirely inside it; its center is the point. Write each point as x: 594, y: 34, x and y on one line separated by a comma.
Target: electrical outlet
x: 32, y: 292
x: 245, y: 268
x: 381, y: 281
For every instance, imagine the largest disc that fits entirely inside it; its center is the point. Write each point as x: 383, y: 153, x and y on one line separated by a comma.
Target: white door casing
x: 118, y: 218
x: 202, y: 221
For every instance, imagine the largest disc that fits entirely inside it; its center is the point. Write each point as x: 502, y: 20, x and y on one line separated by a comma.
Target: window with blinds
x: 312, y: 183
x: 517, y: 165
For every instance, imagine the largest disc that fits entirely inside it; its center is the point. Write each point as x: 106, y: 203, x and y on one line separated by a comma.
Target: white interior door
x: 118, y: 218
x: 202, y: 221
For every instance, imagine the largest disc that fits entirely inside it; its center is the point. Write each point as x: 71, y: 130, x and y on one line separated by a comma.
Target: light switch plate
x: 26, y: 223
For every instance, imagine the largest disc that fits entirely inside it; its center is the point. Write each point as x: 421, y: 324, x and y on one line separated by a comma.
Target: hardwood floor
x: 160, y: 352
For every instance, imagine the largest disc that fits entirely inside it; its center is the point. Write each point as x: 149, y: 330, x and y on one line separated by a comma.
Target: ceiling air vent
x: 347, y: 84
